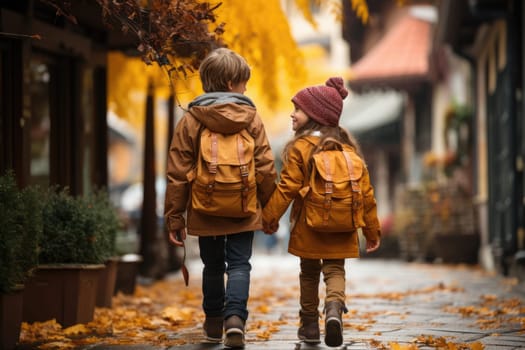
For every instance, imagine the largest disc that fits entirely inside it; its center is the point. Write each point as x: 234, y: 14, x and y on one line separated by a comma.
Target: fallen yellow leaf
x: 476, y: 346
x: 175, y: 314
x: 76, y: 329
x: 397, y: 346
x: 57, y: 345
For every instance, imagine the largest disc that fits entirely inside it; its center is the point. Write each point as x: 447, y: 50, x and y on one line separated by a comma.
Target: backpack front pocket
x: 329, y: 216
x: 224, y: 200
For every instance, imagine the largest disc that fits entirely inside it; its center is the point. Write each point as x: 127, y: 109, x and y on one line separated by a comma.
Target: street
x: 392, y: 305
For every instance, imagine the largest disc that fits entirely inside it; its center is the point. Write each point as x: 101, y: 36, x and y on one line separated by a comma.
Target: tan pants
x: 334, y: 279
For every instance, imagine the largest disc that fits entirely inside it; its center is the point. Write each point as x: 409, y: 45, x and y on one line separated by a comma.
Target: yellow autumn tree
x: 258, y: 30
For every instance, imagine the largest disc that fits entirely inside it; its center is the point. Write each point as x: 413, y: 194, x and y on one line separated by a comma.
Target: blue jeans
x: 230, y: 254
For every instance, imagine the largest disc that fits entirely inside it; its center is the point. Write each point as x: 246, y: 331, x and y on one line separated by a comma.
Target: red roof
x: 400, y: 57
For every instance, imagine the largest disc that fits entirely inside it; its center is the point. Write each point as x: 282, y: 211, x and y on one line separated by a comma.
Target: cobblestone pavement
x: 392, y: 305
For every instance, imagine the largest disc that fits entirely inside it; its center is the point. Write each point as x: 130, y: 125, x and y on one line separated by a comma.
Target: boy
x: 225, y: 243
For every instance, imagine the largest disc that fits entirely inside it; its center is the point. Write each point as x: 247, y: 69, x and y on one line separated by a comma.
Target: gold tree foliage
x: 256, y: 29
x: 360, y: 7
x: 128, y: 80
x: 259, y: 31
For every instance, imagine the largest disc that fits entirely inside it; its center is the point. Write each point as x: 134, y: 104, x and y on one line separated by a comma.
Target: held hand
x: 177, y: 237
x: 372, y: 245
x: 271, y: 227
x: 274, y: 226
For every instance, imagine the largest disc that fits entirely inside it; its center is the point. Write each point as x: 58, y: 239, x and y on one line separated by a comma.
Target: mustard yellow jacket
x: 304, y: 242
x: 222, y: 113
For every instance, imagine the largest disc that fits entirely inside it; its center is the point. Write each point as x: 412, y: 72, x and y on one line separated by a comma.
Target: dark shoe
x: 213, y: 328
x: 333, y: 332
x: 234, y: 329
x: 309, y: 329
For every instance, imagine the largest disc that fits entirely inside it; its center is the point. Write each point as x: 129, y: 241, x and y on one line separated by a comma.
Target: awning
x: 398, y: 60
x: 364, y: 113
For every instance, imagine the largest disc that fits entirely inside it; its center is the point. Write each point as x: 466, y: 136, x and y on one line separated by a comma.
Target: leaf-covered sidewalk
x: 392, y: 305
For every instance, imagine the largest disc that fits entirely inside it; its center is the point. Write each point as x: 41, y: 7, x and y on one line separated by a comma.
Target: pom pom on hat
x: 323, y: 103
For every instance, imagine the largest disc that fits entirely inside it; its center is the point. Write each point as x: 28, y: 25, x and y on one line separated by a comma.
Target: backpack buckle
x: 244, y: 170
x: 329, y: 187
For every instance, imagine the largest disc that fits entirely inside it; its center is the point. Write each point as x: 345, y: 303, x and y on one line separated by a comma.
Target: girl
x: 315, y: 121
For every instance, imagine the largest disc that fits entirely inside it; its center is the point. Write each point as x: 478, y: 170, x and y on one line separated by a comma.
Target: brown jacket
x: 305, y: 242
x: 222, y: 116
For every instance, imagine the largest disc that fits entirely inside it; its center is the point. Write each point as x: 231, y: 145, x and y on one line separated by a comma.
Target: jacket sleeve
x: 290, y: 183
x: 372, y: 230
x: 265, y: 172
x: 180, y: 162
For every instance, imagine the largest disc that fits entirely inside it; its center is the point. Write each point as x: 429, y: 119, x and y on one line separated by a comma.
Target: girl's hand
x: 271, y: 227
x: 177, y: 237
x: 372, y: 245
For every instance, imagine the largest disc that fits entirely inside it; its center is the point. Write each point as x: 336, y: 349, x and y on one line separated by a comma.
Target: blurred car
x: 131, y: 199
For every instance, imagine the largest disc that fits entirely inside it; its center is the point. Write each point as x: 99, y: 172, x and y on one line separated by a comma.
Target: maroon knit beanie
x: 323, y: 103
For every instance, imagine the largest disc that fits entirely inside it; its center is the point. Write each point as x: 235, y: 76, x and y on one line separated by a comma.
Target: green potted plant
x: 74, y: 246
x: 20, y: 228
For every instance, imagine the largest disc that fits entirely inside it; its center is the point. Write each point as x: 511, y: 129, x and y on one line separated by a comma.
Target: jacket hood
x: 223, y: 112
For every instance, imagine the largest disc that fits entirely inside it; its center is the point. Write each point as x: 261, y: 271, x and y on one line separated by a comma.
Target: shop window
x: 40, y: 122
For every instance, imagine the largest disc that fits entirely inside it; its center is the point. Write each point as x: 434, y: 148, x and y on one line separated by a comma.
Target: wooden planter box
x: 127, y: 272
x: 106, y: 283
x: 65, y: 292
x: 11, y: 307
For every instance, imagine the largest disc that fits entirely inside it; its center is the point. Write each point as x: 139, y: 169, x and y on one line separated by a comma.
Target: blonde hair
x: 327, y: 132
x: 220, y: 67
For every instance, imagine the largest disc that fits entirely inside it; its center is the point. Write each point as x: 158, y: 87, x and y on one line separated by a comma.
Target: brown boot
x: 333, y: 332
x: 309, y: 329
x: 234, y: 329
x: 213, y: 329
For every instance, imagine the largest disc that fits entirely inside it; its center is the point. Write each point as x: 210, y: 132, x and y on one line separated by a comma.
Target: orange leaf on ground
x: 76, y: 330
x: 397, y: 346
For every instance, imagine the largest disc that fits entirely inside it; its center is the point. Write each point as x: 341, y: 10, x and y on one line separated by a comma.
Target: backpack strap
x: 328, y: 186
x: 355, y: 184
x: 243, y: 167
x: 212, y: 168
x: 214, y: 153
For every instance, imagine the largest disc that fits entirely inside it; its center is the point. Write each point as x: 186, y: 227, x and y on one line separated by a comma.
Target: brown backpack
x: 224, y: 181
x: 333, y: 196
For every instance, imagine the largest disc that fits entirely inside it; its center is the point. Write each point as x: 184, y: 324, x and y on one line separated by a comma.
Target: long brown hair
x: 326, y: 132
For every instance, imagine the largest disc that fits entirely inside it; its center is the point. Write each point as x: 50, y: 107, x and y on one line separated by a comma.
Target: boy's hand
x: 271, y: 227
x: 372, y: 245
x: 177, y: 237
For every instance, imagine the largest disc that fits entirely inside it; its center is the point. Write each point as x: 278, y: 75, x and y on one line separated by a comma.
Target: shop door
x: 501, y: 110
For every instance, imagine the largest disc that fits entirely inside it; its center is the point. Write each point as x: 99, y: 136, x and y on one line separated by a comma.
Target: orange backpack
x: 333, y: 196
x: 225, y: 183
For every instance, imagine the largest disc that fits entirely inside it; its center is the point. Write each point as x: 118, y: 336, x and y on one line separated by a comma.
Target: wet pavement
x: 392, y: 305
